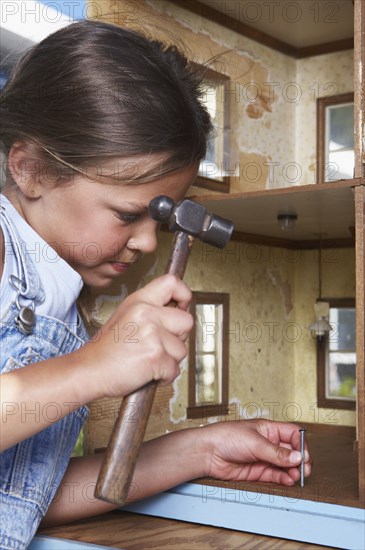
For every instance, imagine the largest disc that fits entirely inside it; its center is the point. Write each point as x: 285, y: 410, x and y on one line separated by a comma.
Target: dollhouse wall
x: 272, y: 359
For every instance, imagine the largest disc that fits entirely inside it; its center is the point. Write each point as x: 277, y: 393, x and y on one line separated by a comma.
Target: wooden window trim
x: 212, y: 184
x: 322, y: 104
x: 324, y: 401
x: 206, y: 410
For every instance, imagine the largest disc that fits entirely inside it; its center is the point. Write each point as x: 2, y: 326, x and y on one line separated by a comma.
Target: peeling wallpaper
x: 260, y: 85
x: 272, y: 96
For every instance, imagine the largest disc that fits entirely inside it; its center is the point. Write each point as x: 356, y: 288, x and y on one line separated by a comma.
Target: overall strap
x: 26, y: 283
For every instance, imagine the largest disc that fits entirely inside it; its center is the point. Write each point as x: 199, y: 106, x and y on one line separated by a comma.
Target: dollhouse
x: 276, y: 168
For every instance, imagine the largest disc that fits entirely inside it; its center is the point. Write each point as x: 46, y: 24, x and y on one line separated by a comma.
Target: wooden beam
x: 360, y: 327
x: 359, y: 88
x: 294, y: 189
x: 359, y: 104
x: 267, y: 240
x: 327, y: 47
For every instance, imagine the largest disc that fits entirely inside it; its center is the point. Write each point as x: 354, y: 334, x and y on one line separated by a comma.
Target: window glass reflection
x: 341, y: 364
x: 208, y: 347
x: 340, y: 160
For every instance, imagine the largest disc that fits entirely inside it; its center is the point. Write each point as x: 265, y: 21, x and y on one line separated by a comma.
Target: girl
x: 95, y: 122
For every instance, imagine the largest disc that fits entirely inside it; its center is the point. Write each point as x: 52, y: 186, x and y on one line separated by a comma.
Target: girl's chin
x: 103, y: 278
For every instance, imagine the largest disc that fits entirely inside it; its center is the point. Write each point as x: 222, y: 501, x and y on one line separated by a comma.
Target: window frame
x: 222, y: 185
x: 205, y: 410
x: 322, y: 354
x: 322, y: 105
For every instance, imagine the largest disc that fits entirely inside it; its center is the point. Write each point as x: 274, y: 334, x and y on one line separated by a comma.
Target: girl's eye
x: 127, y: 217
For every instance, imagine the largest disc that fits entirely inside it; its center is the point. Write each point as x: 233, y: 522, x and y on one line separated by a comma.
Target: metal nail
x: 302, y: 450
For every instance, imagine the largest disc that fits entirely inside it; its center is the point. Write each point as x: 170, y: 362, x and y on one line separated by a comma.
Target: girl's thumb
x: 280, y: 456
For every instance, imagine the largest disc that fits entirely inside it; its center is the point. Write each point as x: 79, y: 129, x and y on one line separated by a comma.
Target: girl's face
x: 101, y: 229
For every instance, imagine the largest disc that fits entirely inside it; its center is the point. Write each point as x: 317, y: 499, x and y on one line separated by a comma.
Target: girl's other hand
x: 255, y: 450
x: 143, y: 341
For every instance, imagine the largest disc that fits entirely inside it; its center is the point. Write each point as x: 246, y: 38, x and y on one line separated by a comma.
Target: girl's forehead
x: 135, y: 197
x: 140, y: 170
x: 132, y: 168
x: 175, y: 184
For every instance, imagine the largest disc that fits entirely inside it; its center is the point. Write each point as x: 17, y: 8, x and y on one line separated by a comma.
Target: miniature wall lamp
x: 320, y: 326
x: 287, y: 221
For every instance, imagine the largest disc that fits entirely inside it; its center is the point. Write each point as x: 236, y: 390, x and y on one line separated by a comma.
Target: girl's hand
x: 255, y: 450
x: 142, y: 341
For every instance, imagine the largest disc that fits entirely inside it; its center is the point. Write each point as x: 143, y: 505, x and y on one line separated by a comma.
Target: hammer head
x: 191, y: 218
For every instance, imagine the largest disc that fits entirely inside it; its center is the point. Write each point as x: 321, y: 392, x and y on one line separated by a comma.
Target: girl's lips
x: 119, y: 267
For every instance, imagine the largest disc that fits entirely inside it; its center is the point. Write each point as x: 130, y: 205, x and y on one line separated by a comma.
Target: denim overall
x: 31, y: 472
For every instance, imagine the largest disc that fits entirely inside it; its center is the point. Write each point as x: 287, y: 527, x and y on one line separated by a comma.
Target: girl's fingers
x: 287, y: 435
x: 281, y: 477
x: 176, y: 321
x: 162, y: 290
x: 174, y: 346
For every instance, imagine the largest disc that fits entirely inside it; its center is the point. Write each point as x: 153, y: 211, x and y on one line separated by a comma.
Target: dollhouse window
x: 208, y: 355
x: 336, y: 357
x: 214, y: 171
x: 335, y: 137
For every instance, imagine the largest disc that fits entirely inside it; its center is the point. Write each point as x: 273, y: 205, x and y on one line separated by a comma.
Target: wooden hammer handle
x: 116, y: 473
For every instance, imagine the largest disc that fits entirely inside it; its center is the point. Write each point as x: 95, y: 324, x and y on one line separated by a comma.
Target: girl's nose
x: 144, y: 238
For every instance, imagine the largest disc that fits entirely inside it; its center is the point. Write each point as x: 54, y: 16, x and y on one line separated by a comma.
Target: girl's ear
x: 25, y: 169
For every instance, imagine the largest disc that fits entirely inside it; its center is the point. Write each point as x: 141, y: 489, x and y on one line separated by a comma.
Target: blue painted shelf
x: 50, y: 543
x: 253, y: 512
x: 271, y: 515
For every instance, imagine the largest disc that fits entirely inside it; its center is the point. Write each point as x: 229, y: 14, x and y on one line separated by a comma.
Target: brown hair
x: 93, y: 92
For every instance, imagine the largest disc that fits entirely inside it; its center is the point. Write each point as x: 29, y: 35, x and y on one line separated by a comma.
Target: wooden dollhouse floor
x: 334, y: 478
x: 333, y: 481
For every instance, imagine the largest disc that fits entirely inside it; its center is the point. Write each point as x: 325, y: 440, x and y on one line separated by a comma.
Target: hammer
x: 187, y: 220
